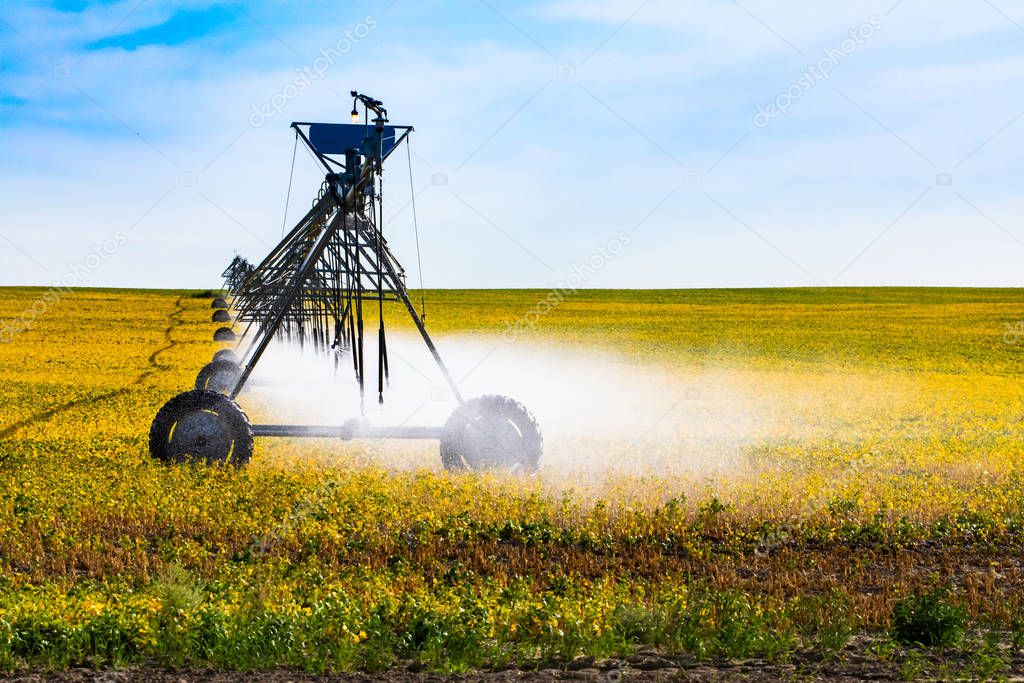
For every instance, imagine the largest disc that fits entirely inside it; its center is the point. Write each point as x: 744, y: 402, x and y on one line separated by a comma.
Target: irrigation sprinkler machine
x: 312, y: 290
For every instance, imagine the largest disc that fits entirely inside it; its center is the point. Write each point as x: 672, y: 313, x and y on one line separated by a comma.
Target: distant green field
x: 904, y: 328
x: 831, y: 465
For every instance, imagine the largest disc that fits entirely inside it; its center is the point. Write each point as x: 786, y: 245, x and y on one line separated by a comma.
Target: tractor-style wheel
x: 491, y: 432
x: 224, y: 334
x: 202, y: 427
x: 219, y: 375
x: 219, y: 303
x: 221, y: 316
x: 226, y: 354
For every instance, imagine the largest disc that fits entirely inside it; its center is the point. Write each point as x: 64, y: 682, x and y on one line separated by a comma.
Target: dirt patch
x: 808, y: 666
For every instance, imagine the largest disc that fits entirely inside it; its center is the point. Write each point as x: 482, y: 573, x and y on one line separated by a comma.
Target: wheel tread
x: 452, y: 456
x: 201, y: 399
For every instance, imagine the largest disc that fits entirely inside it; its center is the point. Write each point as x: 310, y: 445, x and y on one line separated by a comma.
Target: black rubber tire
x: 224, y: 334
x: 201, y: 427
x: 218, y: 375
x: 491, y: 432
x: 219, y: 303
x: 221, y: 316
x: 227, y: 354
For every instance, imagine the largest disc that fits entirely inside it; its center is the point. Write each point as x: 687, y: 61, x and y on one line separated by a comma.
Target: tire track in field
x: 176, y: 321
x: 153, y: 366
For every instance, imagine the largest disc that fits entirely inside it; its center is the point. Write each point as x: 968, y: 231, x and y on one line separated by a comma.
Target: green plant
x: 177, y: 590
x: 1017, y: 633
x: 987, y: 666
x: 913, y: 666
x: 825, y: 622
x: 635, y: 624
x: 930, y: 619
x: 730, y: 624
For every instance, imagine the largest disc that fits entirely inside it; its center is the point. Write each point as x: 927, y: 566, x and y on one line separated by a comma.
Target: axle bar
x: 346, y: 432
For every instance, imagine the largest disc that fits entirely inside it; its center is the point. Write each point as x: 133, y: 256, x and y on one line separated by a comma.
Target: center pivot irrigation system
x: 311, y: 290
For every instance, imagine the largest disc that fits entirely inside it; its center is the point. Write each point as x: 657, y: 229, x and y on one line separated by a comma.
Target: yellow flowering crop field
x: 797, y: 475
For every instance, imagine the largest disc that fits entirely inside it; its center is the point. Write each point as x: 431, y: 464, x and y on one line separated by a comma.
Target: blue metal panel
x: 337, y: 138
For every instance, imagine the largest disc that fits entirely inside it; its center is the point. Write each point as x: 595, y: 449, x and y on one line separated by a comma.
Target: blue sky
x: 547, y: 133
